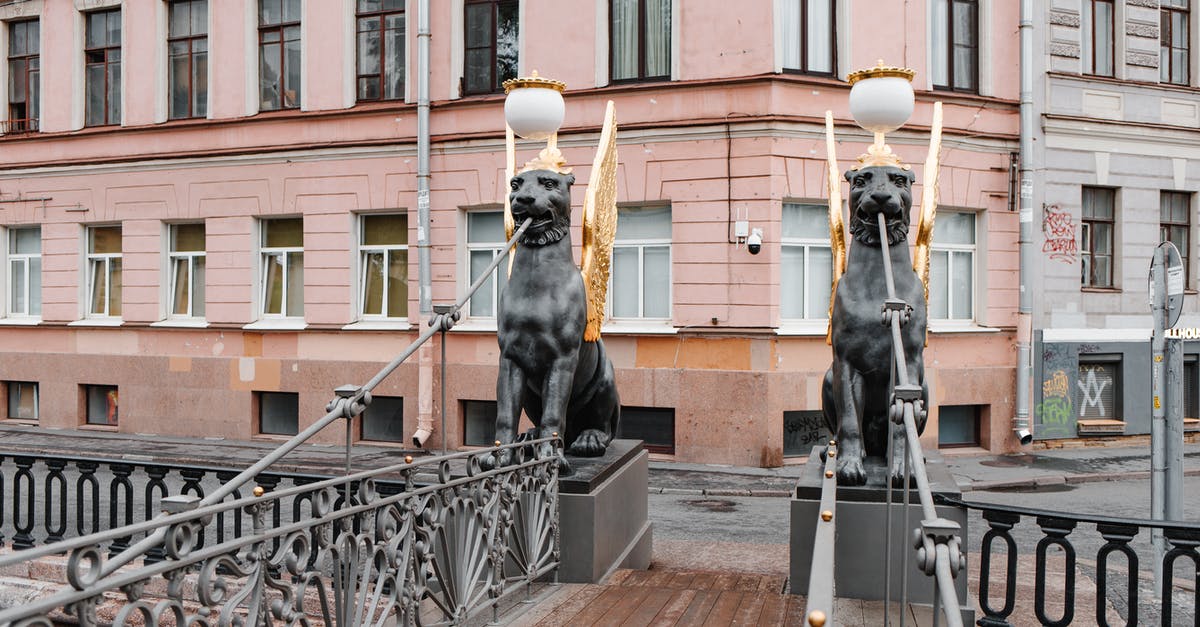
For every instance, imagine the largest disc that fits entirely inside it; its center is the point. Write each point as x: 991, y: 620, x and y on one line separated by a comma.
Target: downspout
x: 1021, y: 424
x: 424, y: 274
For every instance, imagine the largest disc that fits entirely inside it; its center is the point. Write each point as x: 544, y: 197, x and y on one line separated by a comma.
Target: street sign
x: 1175, y: 283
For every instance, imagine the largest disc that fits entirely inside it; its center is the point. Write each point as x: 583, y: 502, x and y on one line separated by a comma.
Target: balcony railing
x: 17, y: 127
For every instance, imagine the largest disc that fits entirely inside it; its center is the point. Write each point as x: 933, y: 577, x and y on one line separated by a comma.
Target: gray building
x: 1117, y: 161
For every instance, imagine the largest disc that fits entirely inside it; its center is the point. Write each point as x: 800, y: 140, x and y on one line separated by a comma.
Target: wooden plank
x: 548, y: 604
x: 750, y: 608
x: 627, y: 602
x: 682, y: 580
x: 651, y: 606
x: 699, y: 608
x: 773, y: 584
x: 703, y: 581
x: 587, y: 613
x: 619, y: 577
x: 774, y: 609
x: 659, y: 578
x: 637, y: 578
x: 747, y: 583
x: 795, y: 610
x: 725, y: 581
x: 724, y: 609
x: 675, y: 607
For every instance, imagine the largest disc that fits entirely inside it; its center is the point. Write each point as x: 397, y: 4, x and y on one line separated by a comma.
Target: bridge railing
x: 819, y: 604
x: 1055, y: 585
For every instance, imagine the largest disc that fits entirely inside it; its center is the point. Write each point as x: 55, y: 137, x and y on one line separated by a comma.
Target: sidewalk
x: 971, y: 471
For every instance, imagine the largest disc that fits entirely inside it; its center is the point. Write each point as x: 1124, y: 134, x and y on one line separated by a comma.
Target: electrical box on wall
x: 741, y: 229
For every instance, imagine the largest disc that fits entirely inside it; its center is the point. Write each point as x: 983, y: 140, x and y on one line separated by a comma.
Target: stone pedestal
x: 602, y: 513
x: 861, y: 519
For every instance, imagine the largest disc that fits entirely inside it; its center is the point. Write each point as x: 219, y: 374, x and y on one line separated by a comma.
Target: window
x: 809, y: 36
x: 1098, y: 390
x: 380, y: 49
x: 1098, y: 23
x: 22, y: 400
x: 383, y: 420
x: 1176, y: 43
x: 802, y: 430
x: 25, y: 272
x: 479, y: 423
x: 187, y: 46
x: 283, y: 267
x: 24, y: 76
x: 1175, y: 226
x: 104, y: 271
x: 952, y: 267
x: 100, y: 404
x: 641, y: 263
x: 485, y: 240
x: 806, y: 263
x: 652, y: 425
x: 187, y: 270
x: 955, y: 44
x: 1096, y: 236
x: 491, y: 45
x: 278, y: 413
x: 958, y: 425
x: 383, y: 259
x: 1191, y: 382
x: 278, y: 54
x: 640, y: 40
x: 102, y: 50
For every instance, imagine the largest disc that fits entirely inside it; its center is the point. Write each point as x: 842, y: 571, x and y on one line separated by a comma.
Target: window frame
x: 260, y: 399
x: 387, y: 250
x: 8, y: 392
x: 807, y: 243
x: 652, y: 447
x: 93, y: 261
x: 1166, y: 44
x: 1090, y: 17
x: 191, y: 257
x: 191, y: 39
x: 367, y: 416
x: 1087, y: 243
x: 382, y: 15
x: 495, y: 247
x: 803, y: 36
x: 487, y: 418
x: 496, y: 80
x: 1165, y: 226
x: 284, y: 252
x: 1118, y: 382
x: 949, y: 42
x: 950, y: 249
x: 642, y: 36
x: 10, y: 259
x: 106, y: 50
x: 976, y: 418
x: 108, y: 390
x: 281, y: 29
x: 641, y: 244
x: 30, y: 123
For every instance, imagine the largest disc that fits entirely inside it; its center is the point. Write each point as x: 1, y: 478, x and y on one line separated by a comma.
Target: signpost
x: 1166, y: 455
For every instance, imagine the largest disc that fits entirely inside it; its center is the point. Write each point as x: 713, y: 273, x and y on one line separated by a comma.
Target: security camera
x: 1024, y: 436
x: 754, y: 242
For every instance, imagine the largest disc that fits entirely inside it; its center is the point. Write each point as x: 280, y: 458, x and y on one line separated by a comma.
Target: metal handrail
x: 819, y: 605
x: 348, y: 406
x: 940, y: 553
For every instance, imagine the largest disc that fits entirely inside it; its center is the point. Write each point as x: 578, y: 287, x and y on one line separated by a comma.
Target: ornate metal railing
x: 819, y: 604
x: 178, y: 538
x: 1117, y: 534
x: 444, y: 550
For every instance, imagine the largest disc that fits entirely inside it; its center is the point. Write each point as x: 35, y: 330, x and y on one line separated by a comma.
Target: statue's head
x: 545, y: 196
x: 875, y: 190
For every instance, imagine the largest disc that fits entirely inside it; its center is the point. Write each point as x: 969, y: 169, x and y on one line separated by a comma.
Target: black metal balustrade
x: 1057, y: 528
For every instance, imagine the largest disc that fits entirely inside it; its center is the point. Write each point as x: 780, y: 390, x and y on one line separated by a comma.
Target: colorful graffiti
x: 1058, y: 228
x: 1055, y: 413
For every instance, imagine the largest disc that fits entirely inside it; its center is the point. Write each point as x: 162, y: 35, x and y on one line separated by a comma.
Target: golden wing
x: 929, y: 190
x: 837, y: 229
x: 510, y: 167
x: 600, y: 224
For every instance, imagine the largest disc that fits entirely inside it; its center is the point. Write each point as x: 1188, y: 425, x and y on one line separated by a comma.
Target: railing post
x: 120, y: 483
x: 55, y: 478
x: 87, y: 480
x: 23, y: 485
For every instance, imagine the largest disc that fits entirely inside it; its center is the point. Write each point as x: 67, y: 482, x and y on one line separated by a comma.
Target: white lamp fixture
x: 533, y: 106
x: 881, y: 101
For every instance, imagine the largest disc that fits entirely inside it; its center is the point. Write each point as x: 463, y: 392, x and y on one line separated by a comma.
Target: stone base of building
x: 602, y: 514
x: 861, y: 547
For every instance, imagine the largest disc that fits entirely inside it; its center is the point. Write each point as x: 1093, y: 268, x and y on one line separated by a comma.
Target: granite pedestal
x: 861, y: 519
x: 602, y: 513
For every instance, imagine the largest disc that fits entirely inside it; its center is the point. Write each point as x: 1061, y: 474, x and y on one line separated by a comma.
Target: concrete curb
x: 718, y: 492
x: 1046, y: 480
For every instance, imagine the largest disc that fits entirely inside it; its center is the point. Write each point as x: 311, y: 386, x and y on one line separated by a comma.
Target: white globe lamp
x: 533, y: 106
x: 881, y: 101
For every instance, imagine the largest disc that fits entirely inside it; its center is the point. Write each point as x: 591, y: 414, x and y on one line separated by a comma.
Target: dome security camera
x: 754, y: 241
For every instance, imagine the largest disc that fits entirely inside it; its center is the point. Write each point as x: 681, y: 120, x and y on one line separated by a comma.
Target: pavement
x: 972, y: 469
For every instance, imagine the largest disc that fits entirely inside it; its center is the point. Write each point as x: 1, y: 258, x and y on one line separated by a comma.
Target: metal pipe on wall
x: 424, y: 274
x: 1021, y: 424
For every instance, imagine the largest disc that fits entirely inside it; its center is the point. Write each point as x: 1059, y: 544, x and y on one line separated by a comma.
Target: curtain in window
x: 789, y: 16
x: 624, y: 39
x: 820, y: 30
x: 658, y: 37
x: 939, y: 42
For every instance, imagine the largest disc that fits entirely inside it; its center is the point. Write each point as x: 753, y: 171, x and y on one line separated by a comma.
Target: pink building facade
x: 209, y: 216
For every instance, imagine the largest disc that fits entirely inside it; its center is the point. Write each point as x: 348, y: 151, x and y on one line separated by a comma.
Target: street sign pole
x: 1158, y: 308
x: 1166, y: 458
x: 1173, y: 432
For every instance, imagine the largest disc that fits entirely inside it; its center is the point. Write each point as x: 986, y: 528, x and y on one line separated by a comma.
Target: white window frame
x: 94, y: 260
x: 190, y: 256
x: 641, y: 245
x: 807, y: 243
x: 948, y: 249
x: 386, y: 250
x: 264, y: 254
x: 10, y: 260
x: 496, y: 247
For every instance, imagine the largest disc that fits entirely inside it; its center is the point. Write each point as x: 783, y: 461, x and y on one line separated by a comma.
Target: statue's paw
x: 850, y: 470
x: 590, y: 443
x: 497, y: 460
x: 564, y: 467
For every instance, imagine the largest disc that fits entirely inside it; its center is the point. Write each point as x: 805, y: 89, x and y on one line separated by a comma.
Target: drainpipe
x: 1021, y: 424
x: 424, y: 275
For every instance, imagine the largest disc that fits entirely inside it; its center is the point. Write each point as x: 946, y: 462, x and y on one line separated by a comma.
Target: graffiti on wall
x: 802, y: 430
x: 1055, y: 413
x: 1091, y: 391
x: 1058, y: 229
